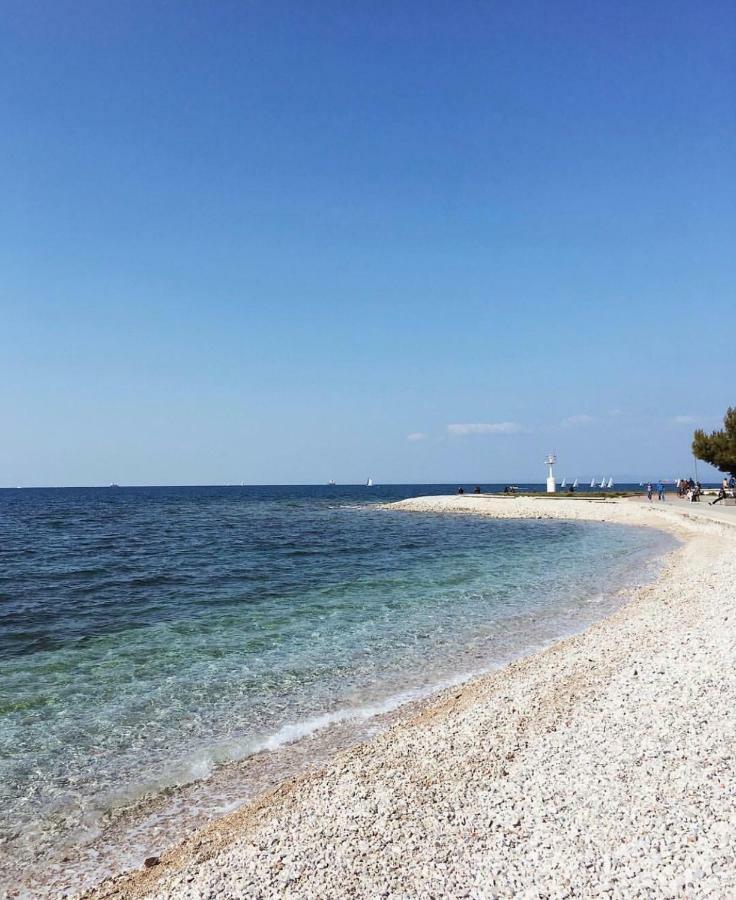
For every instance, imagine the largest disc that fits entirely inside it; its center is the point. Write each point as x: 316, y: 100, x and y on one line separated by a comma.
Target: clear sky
x: 271, y: 241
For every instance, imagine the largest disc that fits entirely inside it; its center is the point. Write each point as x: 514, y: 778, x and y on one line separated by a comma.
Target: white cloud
x: 417, y: 436
x: 685, y: 420
x: 485, y: 428
x: 580, y: 419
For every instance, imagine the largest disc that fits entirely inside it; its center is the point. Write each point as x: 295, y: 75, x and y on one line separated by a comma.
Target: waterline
x: 204, y: 651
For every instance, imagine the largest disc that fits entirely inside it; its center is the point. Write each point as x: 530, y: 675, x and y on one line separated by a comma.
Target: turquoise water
x: 149, y: 635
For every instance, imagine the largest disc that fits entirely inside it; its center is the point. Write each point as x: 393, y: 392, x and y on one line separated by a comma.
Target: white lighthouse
x: 550, y: 460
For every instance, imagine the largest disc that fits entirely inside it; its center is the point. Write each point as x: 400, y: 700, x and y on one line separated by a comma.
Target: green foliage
x: 719, y: 447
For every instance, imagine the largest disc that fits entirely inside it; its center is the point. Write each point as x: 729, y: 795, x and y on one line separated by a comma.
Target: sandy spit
x: 602, y: 766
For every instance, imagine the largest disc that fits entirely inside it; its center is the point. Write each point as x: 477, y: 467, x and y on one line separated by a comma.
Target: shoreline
x: 151, y: 822
x: 276, y: 844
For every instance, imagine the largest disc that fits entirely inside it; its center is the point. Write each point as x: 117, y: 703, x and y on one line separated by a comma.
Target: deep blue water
x: 148, y: 634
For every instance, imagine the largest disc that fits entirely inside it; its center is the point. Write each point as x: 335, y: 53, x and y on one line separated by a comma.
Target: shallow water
x: 149, y: 636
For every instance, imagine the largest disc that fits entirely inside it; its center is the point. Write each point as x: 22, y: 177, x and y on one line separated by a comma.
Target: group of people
x: 727, y: 489
x: 659, y: 488
x: 689, y: 489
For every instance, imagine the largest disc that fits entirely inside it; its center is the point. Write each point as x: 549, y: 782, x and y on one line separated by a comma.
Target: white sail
x: 592, y: 482
x: 564, y: 482
x: 575, y: 483
x: 603, y: 483
x: 610, y: 482
x: 369, y: 483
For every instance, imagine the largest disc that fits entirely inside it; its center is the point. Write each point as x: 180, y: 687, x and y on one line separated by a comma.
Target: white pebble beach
x: 600, y: 767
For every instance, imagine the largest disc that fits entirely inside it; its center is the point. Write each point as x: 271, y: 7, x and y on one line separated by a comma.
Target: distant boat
x: 564, y: 483
x: 592, y: 482
x: 610, y: 482
x: 114, y: 485
x: 369, y: 483
x: 575, y: 483
x: 603, y: 483
x: 331, y: 483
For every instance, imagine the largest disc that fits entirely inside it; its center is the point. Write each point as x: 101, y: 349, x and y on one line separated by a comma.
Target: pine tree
x: 719, y: 447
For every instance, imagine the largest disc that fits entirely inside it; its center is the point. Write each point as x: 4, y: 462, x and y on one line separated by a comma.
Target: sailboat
x: 610, y: 482
x: 592, y: 482
x: 369, y: 483
x: 603, y: 483
x: 564, y: 483
x: 575, y: 483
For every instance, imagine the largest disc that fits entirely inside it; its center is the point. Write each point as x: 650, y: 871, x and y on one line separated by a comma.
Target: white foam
x: 295, y: 731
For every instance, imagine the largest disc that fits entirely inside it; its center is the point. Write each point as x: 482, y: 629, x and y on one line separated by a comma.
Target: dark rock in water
x: 152, y: 861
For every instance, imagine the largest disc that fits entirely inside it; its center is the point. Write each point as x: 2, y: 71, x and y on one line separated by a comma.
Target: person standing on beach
x: 649, y: 491
x: 660, y: 490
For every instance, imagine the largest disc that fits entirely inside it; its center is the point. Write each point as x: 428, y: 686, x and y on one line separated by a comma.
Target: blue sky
x: 423, y: 241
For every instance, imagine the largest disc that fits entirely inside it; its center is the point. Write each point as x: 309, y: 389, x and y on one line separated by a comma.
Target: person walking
x: 649, y: 491
x: 660, y: 490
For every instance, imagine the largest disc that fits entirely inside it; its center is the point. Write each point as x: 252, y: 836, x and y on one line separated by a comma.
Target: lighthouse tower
x: 550, y: 460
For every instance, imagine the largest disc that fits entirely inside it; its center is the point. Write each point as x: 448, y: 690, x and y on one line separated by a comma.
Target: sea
x: 166, y: 653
